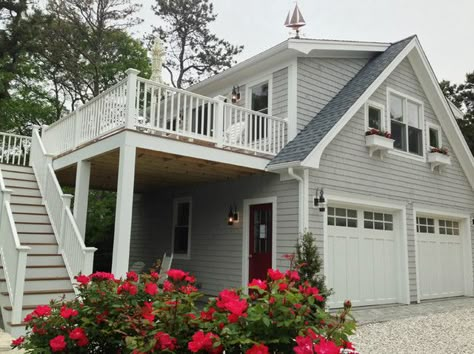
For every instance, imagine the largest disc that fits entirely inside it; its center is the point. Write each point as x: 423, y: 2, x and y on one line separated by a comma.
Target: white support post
x: 17, y: 306
x: 77, y: 128
x: 81, y: 195
x: 66, y: 204
x: 123, y: 211
x: 219, y: 122
x: 131, y: 111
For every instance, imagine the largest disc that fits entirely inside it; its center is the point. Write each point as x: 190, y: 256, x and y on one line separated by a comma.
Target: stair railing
x: 77, y: 257
x: 13, y: 254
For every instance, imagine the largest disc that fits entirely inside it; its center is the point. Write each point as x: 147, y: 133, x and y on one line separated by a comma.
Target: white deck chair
x: 234, y: 134
x: 165, y: 267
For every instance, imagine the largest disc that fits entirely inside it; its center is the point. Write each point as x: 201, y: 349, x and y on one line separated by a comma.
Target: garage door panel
x: 362, y: 263
x: 440, y: 260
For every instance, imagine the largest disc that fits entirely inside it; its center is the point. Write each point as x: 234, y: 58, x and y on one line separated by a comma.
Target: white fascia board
x: 313, y: 159
x: 306, y: 46
x: 282, y: 166
x: 177, y: 147
x: 89, y: 151
x: 443, y: 111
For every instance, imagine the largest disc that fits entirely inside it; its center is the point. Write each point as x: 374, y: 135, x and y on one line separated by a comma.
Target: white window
x: 182, y: 210
x: 260, y: 97
x: 374, y: 116
x: 448, y: 227
x: 342, y: 217
x: 378, y: 221
x: 425, y: 225
x: 434, y: 136
x: 406, y: 120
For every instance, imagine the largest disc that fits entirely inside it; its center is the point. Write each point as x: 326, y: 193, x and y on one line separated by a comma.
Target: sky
x: 444, y: 27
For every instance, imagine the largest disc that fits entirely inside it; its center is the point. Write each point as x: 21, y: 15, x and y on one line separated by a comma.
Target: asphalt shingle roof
x: 302, y: 145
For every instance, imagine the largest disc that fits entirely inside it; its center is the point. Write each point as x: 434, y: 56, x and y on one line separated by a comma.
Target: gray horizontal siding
x: 346, y: 166
x: 216, y: 248
x: 280, y: 93
x: 319, y: 80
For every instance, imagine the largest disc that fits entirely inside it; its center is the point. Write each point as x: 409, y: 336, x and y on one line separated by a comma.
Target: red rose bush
x: 280, y: 314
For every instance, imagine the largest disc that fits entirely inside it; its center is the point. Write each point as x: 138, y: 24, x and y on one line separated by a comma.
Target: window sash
x: 374, y: 118
x: 181, y: 227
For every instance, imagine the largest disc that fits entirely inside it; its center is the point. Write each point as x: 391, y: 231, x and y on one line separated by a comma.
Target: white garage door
x: 440, y: 258
x: 362, y: 256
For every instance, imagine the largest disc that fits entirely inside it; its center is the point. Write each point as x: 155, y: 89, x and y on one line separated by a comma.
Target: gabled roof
x: 304, y: 143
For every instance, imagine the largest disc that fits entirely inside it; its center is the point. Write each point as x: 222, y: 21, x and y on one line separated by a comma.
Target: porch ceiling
x: 154, y: 170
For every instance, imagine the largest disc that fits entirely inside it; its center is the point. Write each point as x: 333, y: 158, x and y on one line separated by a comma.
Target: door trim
x: 245, y: 231
x: 399, y: 209
x: 465, y: 233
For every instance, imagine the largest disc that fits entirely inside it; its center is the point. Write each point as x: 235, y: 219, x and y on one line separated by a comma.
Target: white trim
x: 177, y: 201
x: 293, y: 99
x: 245, y: 232
x: 406, y: 98
x: 256, y: 82
x: 399, y: 208
x: 429, y: 126
x: 313, y: 159
x: 465, y: 233
x: 381, y: 108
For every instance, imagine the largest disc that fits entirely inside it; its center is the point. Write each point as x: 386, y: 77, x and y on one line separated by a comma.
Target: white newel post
x: 123, y: 211
x: 130, y: 115
x: 81, y: 194
x: 219, y: 122
x: 17, y: 307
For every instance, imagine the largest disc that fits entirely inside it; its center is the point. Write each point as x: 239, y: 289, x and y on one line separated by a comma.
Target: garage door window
x: 342, y: 217
x: 425, y: 225
x: 378, y: 221
x: 448, y: 227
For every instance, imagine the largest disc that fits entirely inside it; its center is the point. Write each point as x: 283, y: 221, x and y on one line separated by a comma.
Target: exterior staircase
x: 46, y: 275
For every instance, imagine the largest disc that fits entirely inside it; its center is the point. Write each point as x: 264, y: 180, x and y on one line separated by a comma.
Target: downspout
x: 302, y: 199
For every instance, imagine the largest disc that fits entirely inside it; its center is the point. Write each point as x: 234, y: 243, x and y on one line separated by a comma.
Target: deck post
x: 130, y: 113
x: 219, y: 122
x: 81, y: 195
x: 123, y: 211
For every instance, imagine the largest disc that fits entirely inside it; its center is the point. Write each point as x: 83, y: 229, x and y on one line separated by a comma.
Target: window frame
x: 381, y: 108
x: 429, y: 126
x: 422, y: 124
x: 177, y: 201
x: 248, y: 91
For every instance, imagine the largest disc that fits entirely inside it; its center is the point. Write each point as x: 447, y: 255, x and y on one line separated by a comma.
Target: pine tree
x: 193, y: 51
x: 308, y: 263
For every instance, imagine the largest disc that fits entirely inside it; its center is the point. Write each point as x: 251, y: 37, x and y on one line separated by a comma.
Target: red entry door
x: 260, y: 241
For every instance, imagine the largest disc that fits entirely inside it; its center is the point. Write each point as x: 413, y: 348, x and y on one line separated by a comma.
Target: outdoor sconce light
x: 233, y: 215
x: 235, y: 94
x: 320, y: 201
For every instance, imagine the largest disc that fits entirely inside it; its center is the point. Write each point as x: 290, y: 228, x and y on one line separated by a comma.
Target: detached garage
x: 443, y: 264
x: 364, y: 253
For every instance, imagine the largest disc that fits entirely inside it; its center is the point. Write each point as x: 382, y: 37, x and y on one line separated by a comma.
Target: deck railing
x: 153, y: 108
x: 13, y: 254
x: 14, y: 149
x: 77, y: 257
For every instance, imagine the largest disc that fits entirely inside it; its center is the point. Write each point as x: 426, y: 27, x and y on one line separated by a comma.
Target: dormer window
x: 406, y: 119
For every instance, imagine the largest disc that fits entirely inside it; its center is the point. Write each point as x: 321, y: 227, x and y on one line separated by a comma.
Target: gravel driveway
x: 450, y: 332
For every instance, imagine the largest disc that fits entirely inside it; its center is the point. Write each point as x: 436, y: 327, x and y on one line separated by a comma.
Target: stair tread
x: 43, y: 292
x: 19, y: 171
x: 44, y: 255
x: 26, y: 196
x: 27, y: 204
x: 25, y: 307
x: 22, y: 324
x: 34, y: 233
x: 41, y: 279
x: 25, y: 213
x: 21, y: 187
x: 42, y: 266
x: 32, y: 223
x: 39, y: 243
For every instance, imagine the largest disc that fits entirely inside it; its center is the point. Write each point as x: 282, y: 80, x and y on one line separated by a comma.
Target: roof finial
x: 157, y: 54
x: 295, y: 21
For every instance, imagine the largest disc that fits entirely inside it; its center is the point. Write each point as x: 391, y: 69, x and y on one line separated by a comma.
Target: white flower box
x: 378, y: 143
x: 438, y: 160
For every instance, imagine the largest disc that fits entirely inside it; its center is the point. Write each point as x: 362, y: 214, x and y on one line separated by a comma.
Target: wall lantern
x: 235, y: 94
x: 319, y: 201
x: 233, y: 215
